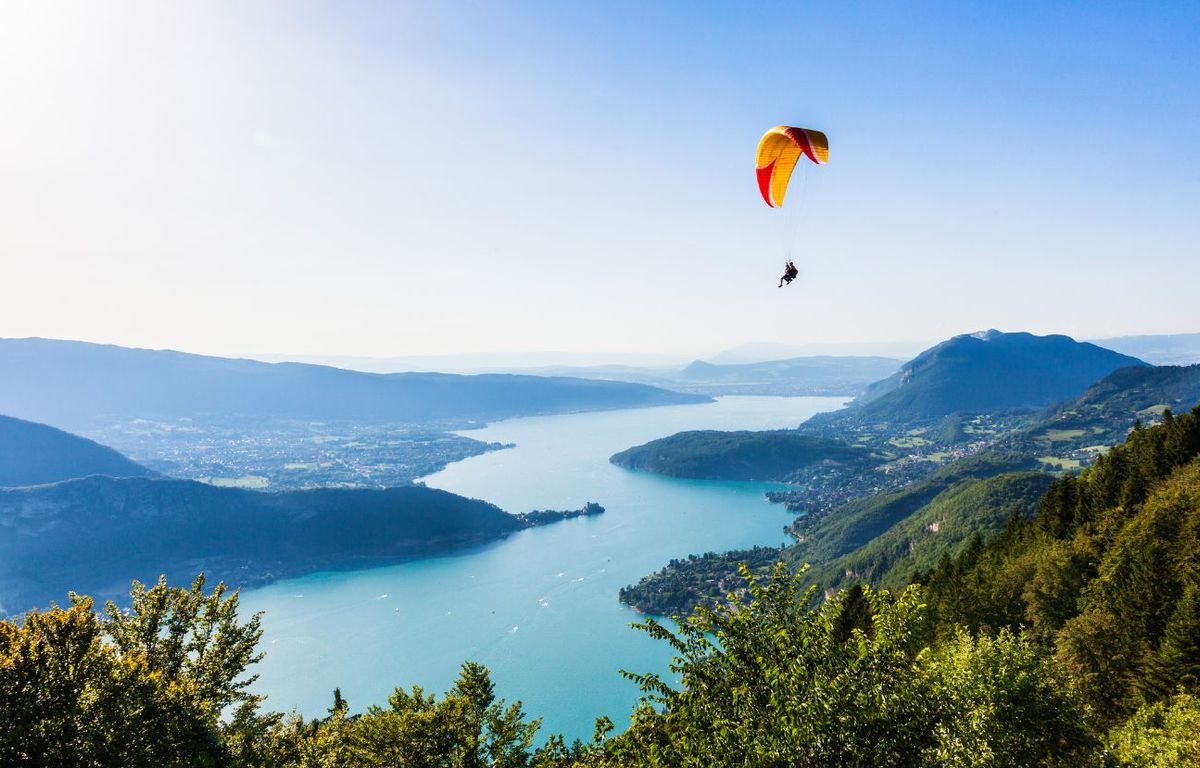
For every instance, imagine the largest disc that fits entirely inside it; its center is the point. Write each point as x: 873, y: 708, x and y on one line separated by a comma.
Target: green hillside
x: 945, y: 526
x: 859, y: 522
x: 883, y: 536
x: 972, y: 394
x: 991, y: 371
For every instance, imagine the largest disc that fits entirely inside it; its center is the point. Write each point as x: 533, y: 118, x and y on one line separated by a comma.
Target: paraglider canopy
x: 778, y: 152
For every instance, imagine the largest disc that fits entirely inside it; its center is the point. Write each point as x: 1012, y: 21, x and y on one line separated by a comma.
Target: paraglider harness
x: 789, y: 274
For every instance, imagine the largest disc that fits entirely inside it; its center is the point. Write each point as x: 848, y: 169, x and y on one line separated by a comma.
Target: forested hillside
x: 95, y: 534
x: 714, y: 455
x: 1105, y: 576
x: 970, y: 388
x: 972, y: 394
x: 969, y: 508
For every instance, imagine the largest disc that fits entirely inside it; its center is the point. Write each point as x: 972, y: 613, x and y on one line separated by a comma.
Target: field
x: 1059, y: 462
x: 908, y: 441
x: 1062, y: 435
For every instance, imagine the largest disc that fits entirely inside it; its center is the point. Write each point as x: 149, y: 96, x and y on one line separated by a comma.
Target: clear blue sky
x: 423, y: 178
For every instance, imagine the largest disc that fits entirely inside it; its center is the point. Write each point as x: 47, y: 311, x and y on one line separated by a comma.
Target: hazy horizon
x: 550, y: 361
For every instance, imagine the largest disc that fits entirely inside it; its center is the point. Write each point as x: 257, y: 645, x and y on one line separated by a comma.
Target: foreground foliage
x: 1163, y: 735
x: 777, y: 682
x: 141, y: 688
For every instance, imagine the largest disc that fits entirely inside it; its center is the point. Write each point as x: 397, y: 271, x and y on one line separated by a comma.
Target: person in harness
x: 789, y: 274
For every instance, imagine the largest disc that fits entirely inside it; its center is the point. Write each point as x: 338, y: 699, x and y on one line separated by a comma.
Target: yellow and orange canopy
x: 778, y: 152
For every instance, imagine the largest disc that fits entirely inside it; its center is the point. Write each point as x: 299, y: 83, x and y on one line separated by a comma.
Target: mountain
x: 822, y: 375
x: 97, y: 533
x: 32, y: 454
x: 70, y: 384
x: 1162, y: 349
x: 987, y: 372
x: 714, y: 455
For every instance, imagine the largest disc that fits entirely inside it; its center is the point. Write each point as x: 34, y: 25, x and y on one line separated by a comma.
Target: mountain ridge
x: 990, y: 371
x: 126, y: 383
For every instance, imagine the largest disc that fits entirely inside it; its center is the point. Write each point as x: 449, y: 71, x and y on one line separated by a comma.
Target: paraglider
x: 778, y: 152
x: 789, y: 274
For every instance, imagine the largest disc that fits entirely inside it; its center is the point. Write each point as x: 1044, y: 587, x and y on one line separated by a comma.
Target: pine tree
x: 1176, y: 665
x: 854, y: 612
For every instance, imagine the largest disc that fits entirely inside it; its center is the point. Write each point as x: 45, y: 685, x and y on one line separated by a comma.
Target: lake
x: 539, y: 608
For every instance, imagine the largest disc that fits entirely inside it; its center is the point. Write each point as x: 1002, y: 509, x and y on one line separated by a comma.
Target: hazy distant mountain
x: 812, y: 375
x: 1163, y: 349
x: 657, y: 376
x: 96, y: 534
x: 70, y: 383
x: 764, y: 351
x: 481, y: 362
x: 31, y: 454
x: 822, y: 375
x: 990, y: 371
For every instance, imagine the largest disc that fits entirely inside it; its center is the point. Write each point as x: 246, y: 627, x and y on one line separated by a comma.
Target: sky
x: 394, y: 178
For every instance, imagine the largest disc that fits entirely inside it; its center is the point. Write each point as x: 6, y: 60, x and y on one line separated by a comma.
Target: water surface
x: 539, y: 608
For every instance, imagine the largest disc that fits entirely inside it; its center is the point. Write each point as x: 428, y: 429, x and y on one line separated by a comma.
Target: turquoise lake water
x: 540, y: 608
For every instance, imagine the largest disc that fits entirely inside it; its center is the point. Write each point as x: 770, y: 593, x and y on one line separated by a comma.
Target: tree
x: 68, y: 697
x: 468, y: 728
x: 1095, y: 654
x: 188, y: 635
x: 1176, y: 665
x: 1002, y: 704
x: 1161, y: 735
